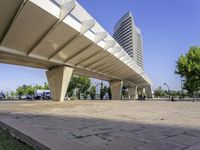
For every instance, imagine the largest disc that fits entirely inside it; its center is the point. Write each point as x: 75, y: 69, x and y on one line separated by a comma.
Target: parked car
x: 2, y: 96
x: 29, y: 97
x: 106, y: 96
x: 42, y: 94
x: 46, y: 95
x: 22, y: 97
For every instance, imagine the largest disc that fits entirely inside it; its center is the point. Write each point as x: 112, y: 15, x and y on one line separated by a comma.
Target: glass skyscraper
x: 128, y: 35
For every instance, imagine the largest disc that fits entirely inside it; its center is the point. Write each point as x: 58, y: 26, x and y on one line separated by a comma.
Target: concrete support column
x: 116, y: 89
x: 58, y: 79
x: 141, y: 91
x: 149, y: 92
x: 132, y: 93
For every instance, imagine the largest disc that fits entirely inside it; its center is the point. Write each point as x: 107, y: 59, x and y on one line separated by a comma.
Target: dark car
x: 2, y: 96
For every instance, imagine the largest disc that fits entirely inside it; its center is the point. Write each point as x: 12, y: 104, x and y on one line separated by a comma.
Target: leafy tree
x: 46, y: 86
x: 25, y: 89
x: 21, y: 90
x: 159, y: 92
x: 109, y: 93
x: 12, y: 94
x: 92, y: 92
x: 72, y: 85
x: 29, y: 89
x: 188, y: 67
x: 38, y: 87
x: 105, y: 89
x: 101, y: 91
x: 85, y: 94
x: 81, y: 83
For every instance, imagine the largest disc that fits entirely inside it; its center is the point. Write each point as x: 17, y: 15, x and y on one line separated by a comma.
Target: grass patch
x: 8, y: 142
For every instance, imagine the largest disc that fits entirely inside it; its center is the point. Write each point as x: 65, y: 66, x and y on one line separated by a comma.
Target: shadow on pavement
x: 102, y: 134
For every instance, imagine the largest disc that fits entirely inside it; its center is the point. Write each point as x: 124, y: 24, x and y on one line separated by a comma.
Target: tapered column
x: 116, y: 89
x: 58, y: 79
x: 132, y: 93
x: 141, y: 91
x: 149, y: 92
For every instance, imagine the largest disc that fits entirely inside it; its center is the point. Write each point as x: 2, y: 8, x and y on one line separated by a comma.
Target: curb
x: 25, y: 138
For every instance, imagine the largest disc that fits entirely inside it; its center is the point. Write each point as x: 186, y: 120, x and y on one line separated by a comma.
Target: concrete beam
x: 85, y: 26
x: 18, y: 6
x: 66, y: 7
x: 80, y: 51
x: 97, y: 61
x: 58, y: 79
x: 111, y: 51
x: 106, y: 65
x: 99, y: 37
x: 89, y: 57
x: 116, y: 69
x: 116, y: 89
x: 108, y: 44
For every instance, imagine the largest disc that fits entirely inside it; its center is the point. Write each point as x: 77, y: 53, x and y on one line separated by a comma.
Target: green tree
x: 84, y: 84
x: 29, y: 89
x: 38, y: 87
x: 85, y: 94
x: 188, y: 67
x: 12, y: 94
x: 81, y: 83
x: 25, y: 89
x: 46, y: 86
x: 159, y: 92
x: 109, y: 93
x: 92, y: 92
x: 72, y: 85
x: 101, y: 91
x: 20, y: 90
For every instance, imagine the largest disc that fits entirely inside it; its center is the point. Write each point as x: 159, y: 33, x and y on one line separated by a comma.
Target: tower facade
x: 129, y: 36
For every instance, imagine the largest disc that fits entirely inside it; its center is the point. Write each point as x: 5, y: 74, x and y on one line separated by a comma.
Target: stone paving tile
x: 160, y: 145
x: 194, y: 147
x: 110, y: 125
x: 122, y: 144
x: 149, y: 136
x: 183, y: 139
x: 193, y: 133
x: 169, y: 132
x: 91, y: 140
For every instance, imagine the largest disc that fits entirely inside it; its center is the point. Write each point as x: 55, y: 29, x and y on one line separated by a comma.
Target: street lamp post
x: 168, y: 89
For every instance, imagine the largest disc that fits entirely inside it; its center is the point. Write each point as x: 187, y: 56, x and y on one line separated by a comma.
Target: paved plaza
x: 107, y: 125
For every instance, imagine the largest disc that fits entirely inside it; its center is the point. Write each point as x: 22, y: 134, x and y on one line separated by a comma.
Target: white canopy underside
x: 40, y: 33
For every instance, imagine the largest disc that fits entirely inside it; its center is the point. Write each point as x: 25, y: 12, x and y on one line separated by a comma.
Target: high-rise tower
x: 128, y: 35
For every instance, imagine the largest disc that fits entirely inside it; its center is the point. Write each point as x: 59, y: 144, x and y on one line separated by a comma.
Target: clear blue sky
x: 169, y: 28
